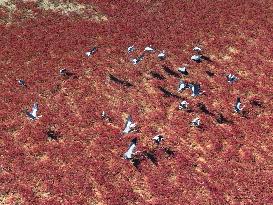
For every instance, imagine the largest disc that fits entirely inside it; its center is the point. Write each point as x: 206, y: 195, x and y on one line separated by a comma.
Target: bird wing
x: 128, y: 123
x: 34, y: 110
x: 29, y: 114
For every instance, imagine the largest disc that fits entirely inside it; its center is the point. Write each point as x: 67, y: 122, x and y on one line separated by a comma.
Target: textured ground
x: 230, y: 163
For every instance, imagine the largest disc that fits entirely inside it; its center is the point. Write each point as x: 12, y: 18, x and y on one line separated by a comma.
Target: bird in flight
x: 158, y: 138
x: 183, y: 105
x: 130, y: 152
x: 197, y: 58
x: 129, y: 125
x: 182, y: 86
x: 91, y: 52
x: 237, y: 106
x: 162, y: 55
x: 131, y: 49
x: 196, y: 122
x: 183, y: 70
x: 195, y: 88
x: 231, y: 78
x: 33, y: 114
x: 21, y: 82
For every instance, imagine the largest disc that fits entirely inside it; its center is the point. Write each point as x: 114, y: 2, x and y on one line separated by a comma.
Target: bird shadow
x: 119, y: 81
x: 223, y: 120
x: 168, y: 93
x: 170, y: 72
x: 157, y: 75
x: 136, y: 162
x: 169, y: 152
x: 52, y: 135
x: 203, y: 108
x: 151, y: 156
x: 209, y: 73
x: 206, y: 58
x: 256, y: 103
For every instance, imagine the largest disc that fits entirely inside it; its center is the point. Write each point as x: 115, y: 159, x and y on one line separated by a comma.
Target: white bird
x: 33, y: 114
x: 149, y: 49
x: 183, y: 70
x: 183, y: 105
x: 196, y: 122
x: 182, y: 86
x: 129, y: 125
x: 162, y: 55
x: 231, y: 78
x: 131, y: 49
x: 21, y: 82
x: 130, y: 152
x: 158, y: 138
x: 91, y: 52
x: 63, y: 71
x: 197, y: 49
x: 195, y: 88
x: 237, y: 106
x: 197, y: 58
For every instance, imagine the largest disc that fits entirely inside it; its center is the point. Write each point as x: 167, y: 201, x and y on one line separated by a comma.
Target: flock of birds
x: 130, y: 126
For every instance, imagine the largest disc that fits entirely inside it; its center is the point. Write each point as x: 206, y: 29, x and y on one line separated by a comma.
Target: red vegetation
x: 228, y: 163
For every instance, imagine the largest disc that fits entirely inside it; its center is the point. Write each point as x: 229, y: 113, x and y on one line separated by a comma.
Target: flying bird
x: 237, y: 106
x: 65, y: 72
x: 182, y: 86
x: 196, y: 122
x: 33, y: 114
x: 231, y: 78
x: 21, y: 82
x: 197, y: 58
x: 130, y: 152
x: 183, y: 105
x: 158, y: 138
x: 195, y: 89
x: 131, y: 49
x: 162, y: 55
x: 91, y: 52
x: 129, y: 125
x: 183, y: 70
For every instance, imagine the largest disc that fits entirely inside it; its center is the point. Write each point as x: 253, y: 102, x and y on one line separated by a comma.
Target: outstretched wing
x: 132, y: 147
x: 34, y: 110
x: 128, y: 123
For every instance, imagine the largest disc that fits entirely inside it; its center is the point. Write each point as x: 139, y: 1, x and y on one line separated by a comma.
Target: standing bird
x: 130, y: 152
x: 33, y: 114
x: 21, y: 82
x: 195, y: 89
x: 149, y: 49
x: 131, y: 49
x: 196, y: 122
x: 237, y: 106
x: 158, y: 138
x: 182, y: 86
x: 91, y: 52
x: 197, y: 49
x: 183, y: 105
x: 231, y: 78
x: 162, y: 55
x: 183, y: 70
x: 129, y: 125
